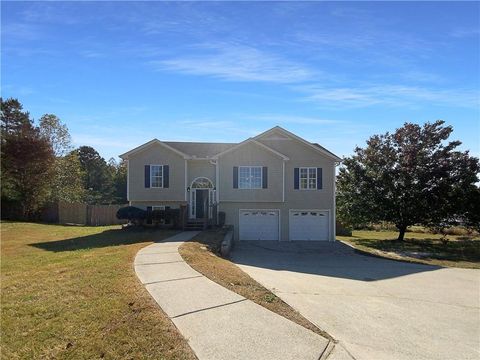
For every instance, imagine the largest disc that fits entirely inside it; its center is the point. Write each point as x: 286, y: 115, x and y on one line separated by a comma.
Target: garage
x: 309, y: 225
x: 259, y: 224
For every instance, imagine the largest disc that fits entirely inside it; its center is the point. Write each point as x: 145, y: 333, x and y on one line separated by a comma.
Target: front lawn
x: 419, y: 247
x: 71, y: 292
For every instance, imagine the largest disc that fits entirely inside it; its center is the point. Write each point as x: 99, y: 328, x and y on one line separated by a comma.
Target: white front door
x: 259, y: 224
x: 309, y: 225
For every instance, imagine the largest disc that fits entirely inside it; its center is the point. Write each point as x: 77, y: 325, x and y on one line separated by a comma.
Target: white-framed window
x: 250, y: 177
x: 156, y: 176
x: 308, y: 178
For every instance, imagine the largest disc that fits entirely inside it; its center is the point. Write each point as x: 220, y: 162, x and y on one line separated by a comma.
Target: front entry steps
x: 196, y: 224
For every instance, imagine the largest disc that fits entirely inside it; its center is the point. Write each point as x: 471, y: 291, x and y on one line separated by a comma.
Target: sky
x: 120, y: 74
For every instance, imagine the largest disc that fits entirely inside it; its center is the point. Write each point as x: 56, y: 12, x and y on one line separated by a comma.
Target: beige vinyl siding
x: 156, y: 155
x: 301, y: 155
x: 200, y: 168
x: 250, y: 155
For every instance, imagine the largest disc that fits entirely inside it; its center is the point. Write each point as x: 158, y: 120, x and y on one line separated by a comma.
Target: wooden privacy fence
x: 78, y: 213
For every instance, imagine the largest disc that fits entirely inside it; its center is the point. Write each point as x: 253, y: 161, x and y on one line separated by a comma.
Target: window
x: 250, y: 177
x: 156, y: 176
x: 158, y: 208
x: 308, y: 178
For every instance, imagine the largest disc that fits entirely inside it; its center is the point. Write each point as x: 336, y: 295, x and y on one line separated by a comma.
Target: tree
x: 409, y: 177
x: 27, y: 160
x: 13, y: 117
x: 120, y: 183
x: 67, y: 183
x: 57, y: 134
x: 98, y: 179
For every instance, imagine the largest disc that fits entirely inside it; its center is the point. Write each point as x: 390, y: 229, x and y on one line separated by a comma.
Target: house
x: 274, y: 186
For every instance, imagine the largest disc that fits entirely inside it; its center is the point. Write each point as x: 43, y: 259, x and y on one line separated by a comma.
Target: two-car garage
x: 304, y: 225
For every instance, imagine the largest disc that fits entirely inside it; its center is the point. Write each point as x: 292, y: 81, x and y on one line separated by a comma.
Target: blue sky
x: 120, y: 74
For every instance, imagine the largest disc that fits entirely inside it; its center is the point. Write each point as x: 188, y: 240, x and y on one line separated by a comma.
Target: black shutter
x: 319, y: 178
x: 147, y: 176
x: 235, y: 177
x: 296, y: 178
x: 166, y: 173
x: 265, y: 177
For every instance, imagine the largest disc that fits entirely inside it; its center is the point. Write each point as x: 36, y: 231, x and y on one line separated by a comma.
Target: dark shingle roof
x: 200, y: 149
x: 321, y: 147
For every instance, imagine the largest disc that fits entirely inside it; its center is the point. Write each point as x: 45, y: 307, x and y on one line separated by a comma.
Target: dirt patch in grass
x: 71, y: 293
x: 422, y: 248
x: 201, y: 253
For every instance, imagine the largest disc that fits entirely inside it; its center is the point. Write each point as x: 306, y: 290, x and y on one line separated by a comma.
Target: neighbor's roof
x: 200, y: 149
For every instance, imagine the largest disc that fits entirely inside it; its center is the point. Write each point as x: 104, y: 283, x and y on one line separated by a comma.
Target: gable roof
x: 314, y: 146
x: 125, y: 156
x: 200, y: 149
x: 204, y: 150
x: 252, y: 140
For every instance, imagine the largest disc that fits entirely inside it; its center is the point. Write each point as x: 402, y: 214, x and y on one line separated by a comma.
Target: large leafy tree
x: 27, y: 160
x: 412, y: 176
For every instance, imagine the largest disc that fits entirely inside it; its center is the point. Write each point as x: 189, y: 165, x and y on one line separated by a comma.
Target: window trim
x: 151, y: 177
x: 250, y: 167
x: 308, y: 188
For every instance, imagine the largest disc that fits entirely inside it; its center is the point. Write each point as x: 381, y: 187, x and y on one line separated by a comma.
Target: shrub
x: 132, y: 214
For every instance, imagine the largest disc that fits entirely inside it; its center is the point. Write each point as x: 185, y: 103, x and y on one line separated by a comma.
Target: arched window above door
x: 202, y: 183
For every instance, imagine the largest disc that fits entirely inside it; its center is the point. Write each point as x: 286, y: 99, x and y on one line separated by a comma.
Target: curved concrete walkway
x: 218, y: 323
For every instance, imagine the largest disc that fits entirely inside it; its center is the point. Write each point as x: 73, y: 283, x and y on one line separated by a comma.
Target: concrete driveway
x: 376, y: 308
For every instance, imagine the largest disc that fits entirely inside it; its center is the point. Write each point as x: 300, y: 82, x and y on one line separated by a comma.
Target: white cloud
x: 237, y: 63
x: 464, y: 32
x: 392, y: 95
x: 292, y: 119
x: 217, y: 127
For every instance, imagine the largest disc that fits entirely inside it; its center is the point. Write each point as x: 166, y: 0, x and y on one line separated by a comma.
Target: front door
x: 201, y: 203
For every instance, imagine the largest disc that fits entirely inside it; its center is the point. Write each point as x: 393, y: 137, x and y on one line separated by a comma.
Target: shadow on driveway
x: 333, y: 259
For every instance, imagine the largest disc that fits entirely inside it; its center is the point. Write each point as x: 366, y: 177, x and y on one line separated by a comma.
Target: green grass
x: 71, y: 293
x: 420, y: 247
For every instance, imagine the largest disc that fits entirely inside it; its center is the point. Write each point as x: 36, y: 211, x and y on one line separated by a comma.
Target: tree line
x: 40, y: 166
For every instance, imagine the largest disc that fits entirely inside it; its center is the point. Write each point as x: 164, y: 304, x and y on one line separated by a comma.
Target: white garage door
x: 308, y: 225
x: 258, y: 225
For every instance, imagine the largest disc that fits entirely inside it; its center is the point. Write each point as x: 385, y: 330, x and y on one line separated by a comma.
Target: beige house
x: 275, y: 186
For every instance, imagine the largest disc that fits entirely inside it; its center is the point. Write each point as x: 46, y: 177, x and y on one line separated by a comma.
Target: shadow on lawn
x: 332, y: 259
x: 106, y: 238
x: 429, y: 248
